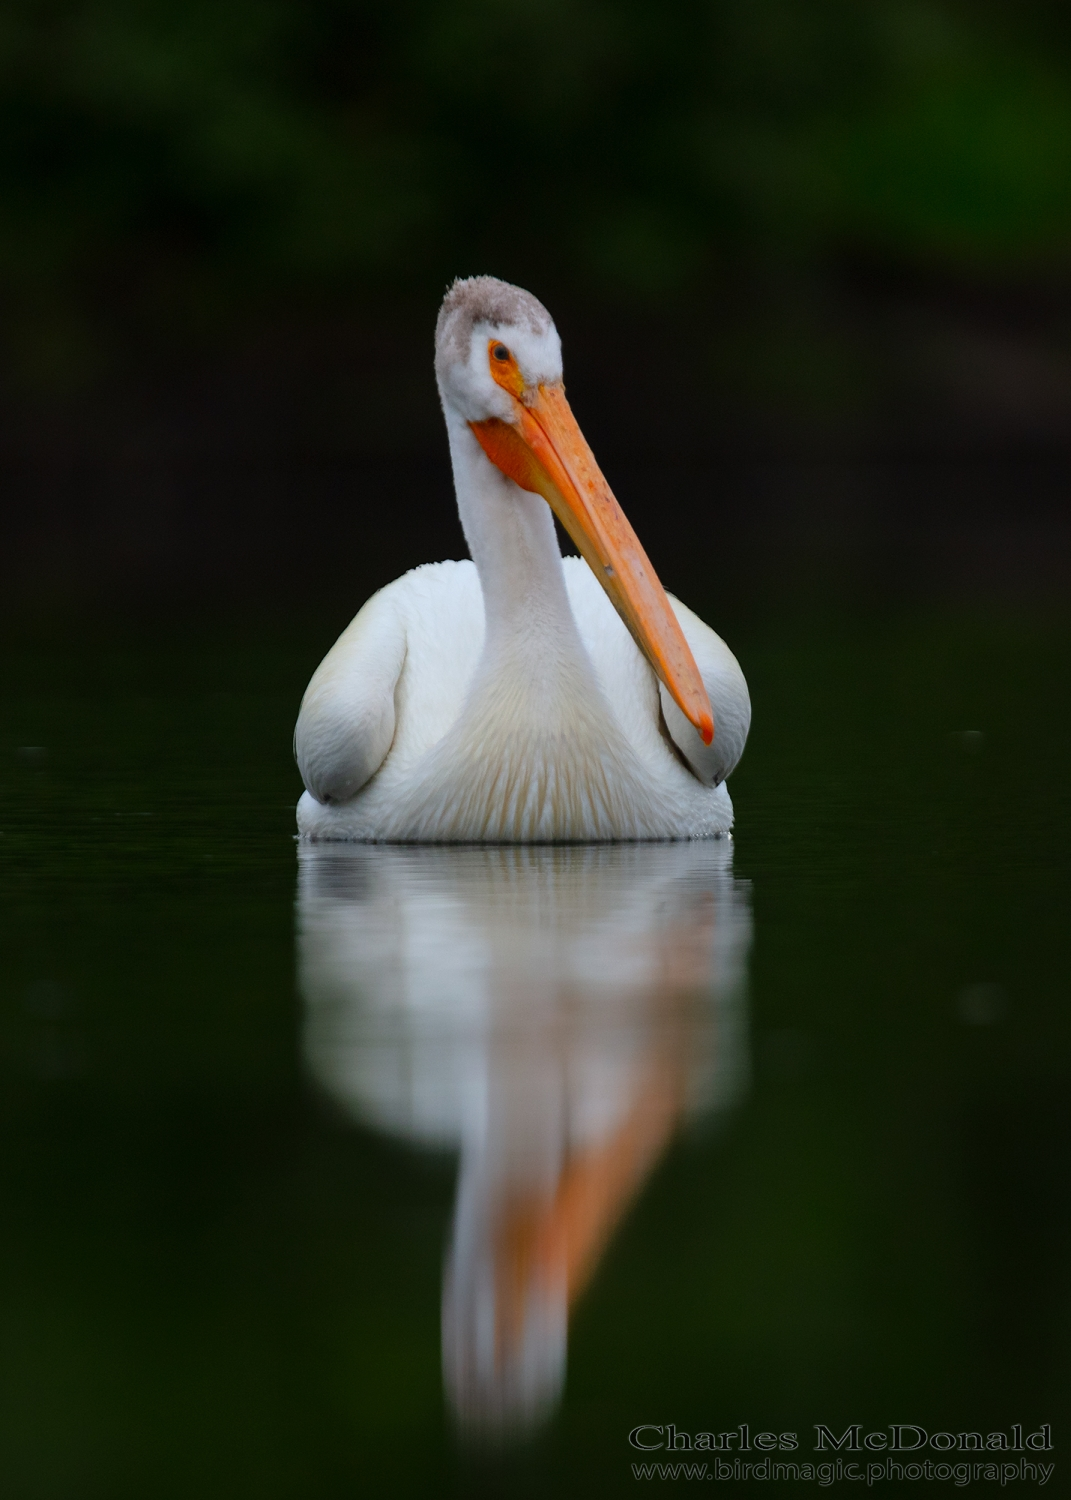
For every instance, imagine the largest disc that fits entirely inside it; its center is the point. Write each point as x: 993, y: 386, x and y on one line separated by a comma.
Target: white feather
x: 503, y: 699
x: 489, y: 751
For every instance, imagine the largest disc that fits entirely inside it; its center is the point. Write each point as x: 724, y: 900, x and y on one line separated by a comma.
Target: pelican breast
x: 407, y: 732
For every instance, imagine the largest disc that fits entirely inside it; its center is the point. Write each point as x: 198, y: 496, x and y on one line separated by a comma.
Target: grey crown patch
x: 482, y: 299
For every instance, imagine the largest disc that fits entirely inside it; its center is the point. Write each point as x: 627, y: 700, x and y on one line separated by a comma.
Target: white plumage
x: 504, y: 699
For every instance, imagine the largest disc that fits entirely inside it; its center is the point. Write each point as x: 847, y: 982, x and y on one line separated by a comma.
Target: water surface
x: 320, y: 1171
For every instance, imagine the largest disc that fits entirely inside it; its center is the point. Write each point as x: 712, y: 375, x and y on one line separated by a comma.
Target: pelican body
x: 521, y: 696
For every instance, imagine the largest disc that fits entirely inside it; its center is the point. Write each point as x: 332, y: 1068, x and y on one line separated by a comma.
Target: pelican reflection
x: 552, y: 1012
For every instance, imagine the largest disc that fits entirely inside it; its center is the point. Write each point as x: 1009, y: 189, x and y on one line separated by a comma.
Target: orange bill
x: 545, y: 452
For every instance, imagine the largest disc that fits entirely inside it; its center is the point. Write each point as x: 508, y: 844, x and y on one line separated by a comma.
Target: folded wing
x: 346, y: 724
x: 729, y: 700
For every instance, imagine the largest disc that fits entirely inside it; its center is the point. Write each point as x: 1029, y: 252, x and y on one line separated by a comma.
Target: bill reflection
x: 553, y: 1013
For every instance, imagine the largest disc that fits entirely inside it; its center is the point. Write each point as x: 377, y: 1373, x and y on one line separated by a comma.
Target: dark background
x: 809, y: 258
x: 811, y: 262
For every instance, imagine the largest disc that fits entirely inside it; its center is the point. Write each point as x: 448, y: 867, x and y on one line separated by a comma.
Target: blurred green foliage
x: 264, y: 143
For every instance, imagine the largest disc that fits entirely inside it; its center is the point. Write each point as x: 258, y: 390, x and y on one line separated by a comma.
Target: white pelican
x: 503, y: 699
x: 554, y: 1015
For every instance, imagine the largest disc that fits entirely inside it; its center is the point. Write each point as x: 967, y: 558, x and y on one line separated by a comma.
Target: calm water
x: 398, y: 1171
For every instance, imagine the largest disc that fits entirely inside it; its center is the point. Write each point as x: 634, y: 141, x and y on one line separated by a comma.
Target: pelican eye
x: 500, y: 351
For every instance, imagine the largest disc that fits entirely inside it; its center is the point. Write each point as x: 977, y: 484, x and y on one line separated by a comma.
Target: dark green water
x: 219, y: 1275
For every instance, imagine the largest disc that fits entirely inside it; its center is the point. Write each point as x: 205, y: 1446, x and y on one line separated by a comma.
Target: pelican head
x: 476, y: 314
x: 498, y: 361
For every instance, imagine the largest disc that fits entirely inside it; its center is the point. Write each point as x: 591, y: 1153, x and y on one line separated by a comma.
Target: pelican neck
x: 511, y: 539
